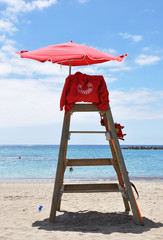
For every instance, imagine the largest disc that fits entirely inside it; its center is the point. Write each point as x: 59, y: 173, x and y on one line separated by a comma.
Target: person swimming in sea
x: 70, y: 169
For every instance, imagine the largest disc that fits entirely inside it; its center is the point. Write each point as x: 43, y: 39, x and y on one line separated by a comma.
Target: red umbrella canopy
x: 70, y: 53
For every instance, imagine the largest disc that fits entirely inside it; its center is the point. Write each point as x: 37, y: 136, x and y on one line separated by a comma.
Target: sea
x: 37, y: 163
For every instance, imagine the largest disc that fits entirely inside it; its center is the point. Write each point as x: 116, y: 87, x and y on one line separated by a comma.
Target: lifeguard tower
x: 117, y: 161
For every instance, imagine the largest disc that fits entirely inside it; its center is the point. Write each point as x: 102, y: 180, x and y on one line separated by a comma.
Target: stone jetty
x: 144, y: 147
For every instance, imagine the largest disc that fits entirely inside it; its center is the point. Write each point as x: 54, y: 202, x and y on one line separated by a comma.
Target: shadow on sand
x: 92, y: 221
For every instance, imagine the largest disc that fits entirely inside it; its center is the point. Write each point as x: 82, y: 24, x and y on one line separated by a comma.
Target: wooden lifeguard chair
x: 117, y: 161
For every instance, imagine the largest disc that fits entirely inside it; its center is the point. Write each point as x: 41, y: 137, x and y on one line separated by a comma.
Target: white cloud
x: 5, y: 69
x: 32, y: 102
x: 7, y: 26
x: 114, y: 66
x: 152, y: 51
x: 121, y: 68
x: 139, y: 96
x: 146, y: 49
x: 109, y: 50
x: 40, y: 4
x: 110, y: 79
x: 135, y: 38
x: 28, y: 102
x: 143, y: 59
x: 2, y: 38
x: 17, y: 6
x: 14, y: 8
x: 137, y: 104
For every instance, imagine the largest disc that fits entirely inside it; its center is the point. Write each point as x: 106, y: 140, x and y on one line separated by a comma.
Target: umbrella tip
x: 71, y: 41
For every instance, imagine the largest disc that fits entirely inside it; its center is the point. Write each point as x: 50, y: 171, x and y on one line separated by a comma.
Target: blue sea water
x: 38, y: 162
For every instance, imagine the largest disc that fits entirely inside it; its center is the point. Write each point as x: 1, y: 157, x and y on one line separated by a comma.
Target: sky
x: 30, y: 91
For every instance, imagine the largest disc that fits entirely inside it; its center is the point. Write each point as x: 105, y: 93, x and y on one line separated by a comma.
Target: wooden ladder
x: 124, y: 186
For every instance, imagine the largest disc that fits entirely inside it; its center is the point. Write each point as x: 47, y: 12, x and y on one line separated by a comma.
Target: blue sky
x: 30, y: 91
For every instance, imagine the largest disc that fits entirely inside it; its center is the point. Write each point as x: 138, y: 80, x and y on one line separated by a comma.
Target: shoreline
x: 75, y: 180
x: 123, y: 146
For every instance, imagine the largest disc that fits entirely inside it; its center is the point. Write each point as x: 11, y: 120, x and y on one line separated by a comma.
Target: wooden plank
x: 60, y: 168
x: 134, y: 207
x: 89, y: 162
x: 103, y: 187
x: 64, y: 158
x: 115, y: 162
x: 84, y: 108
x: 87, y: 131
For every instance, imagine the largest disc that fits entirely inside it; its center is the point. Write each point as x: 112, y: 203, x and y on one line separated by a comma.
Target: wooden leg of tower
x: 62, y: 178
x: 133, y: 203
x: 60, y: 168
x: 117, y: 169
x: 115, y: 163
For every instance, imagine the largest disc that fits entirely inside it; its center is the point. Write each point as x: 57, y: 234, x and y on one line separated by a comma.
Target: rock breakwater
x: 144, y: 147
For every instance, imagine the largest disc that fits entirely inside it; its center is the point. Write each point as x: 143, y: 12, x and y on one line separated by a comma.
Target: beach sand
x: 82, y: 216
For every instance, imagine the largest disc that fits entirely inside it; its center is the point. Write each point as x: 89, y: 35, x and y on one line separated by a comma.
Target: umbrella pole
x: 70, y: 68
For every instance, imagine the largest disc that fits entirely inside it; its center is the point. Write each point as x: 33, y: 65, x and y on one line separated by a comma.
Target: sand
x: 82, y: 216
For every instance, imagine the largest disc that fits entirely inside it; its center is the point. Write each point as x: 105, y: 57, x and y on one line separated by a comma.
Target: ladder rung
x: 87, y: 131
x: 103, y: 187
x: 89, y: 162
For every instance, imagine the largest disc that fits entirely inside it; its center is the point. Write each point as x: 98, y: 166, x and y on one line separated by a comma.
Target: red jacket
x: 84, y: 88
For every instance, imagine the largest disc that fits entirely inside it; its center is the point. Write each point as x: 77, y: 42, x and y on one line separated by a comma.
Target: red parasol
x: 70, y: 54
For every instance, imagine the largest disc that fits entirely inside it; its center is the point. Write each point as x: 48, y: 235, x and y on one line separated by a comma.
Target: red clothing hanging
x: 84, y: 88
